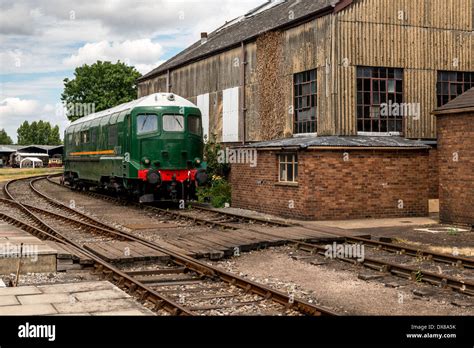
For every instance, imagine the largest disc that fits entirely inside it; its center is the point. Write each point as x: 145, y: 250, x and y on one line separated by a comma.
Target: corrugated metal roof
x: 14, y: 148
x: 340, y: 141
x: 258, y: 21
x: 7, y: 148
x: 463, y: 103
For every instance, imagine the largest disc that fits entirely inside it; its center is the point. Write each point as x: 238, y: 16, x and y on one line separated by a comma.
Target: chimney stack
x: 203, y: 38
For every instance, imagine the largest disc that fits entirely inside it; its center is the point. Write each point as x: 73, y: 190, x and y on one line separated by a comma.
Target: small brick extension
x: 456, y: 167
x: 370, y: 184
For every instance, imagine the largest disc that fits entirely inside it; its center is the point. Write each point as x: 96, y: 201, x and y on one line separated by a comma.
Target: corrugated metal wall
x: 420, y: 36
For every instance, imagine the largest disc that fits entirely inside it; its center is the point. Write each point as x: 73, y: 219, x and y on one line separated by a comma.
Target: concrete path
x: 87, y: 298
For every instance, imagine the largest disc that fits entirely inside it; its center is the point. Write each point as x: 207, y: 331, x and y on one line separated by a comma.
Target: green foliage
x: 38, y: 133
x: 218, y: 190
x: 103, y: 84
x: 419, y: 276
x: 4, y: 138
x: 453, y: 231
x: 217, y: 193
x: 211, y: 156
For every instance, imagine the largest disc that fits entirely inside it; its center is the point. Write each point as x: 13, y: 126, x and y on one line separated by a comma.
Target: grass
x: 16, y: 173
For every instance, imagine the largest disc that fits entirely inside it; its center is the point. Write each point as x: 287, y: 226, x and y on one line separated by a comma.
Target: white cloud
x: 10, y: 23
x: 14, y: 111
x: 141, y: 53
x: 55, y: 36
x: 38, y: 87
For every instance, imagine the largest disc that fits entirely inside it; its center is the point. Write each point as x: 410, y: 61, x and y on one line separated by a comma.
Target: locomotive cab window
x: 147, y: 124
x: 173, y: 123
x: 194, y: 125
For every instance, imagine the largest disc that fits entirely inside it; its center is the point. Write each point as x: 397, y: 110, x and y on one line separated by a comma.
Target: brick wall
x: 370, y: 184
x: 433, y: 174
x: 456, y: 141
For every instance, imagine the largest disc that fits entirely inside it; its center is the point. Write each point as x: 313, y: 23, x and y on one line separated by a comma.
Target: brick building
x: 328, y: 68
x: 456, y: 159
x: 327, y: 178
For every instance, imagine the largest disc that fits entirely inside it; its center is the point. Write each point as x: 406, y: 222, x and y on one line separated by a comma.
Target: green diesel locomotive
x: 150, y: 148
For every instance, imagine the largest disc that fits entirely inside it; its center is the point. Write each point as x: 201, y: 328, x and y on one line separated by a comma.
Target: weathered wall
x: 372, y: 184
x: 419, y: 36
x: 270, y: 86
x: 456, y: 168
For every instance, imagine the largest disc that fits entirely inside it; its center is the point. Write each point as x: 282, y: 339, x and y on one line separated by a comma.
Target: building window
x: 288, y: 168
x: 452, y: 84
x: 378, y: 89
x: 305, y: 91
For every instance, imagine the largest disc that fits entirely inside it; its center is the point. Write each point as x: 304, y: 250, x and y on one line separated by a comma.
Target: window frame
x: 464, y: 84
x: 293, y: 162
x: 369, y: 100
x: 200, y: 134
x: 300, y: 81
x: 112, y: 135
x: 85, y: 137
x: 173, y: 131
x: 155, y: 131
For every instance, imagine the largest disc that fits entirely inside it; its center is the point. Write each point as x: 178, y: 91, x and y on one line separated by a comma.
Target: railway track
x: 383, y: 265
x: 225, y: 219
x: 192, y: 287
x: 199, y: 214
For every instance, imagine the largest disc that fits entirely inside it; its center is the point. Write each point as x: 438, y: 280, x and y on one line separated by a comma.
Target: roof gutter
x: 453, y: 111
x: 301, y: 20
x: 337, y: 148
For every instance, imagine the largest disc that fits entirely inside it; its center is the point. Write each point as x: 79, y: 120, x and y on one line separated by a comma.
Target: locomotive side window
x: 85, y: 137
x: 194, y: 125
x: 113, y: 135
x: 173, y: 123
x: 147, y: 124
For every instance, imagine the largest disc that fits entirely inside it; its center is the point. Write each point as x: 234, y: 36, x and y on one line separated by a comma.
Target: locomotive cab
x: 169, y: 148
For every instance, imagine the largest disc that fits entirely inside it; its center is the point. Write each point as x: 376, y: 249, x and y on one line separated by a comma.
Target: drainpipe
x: 168, y: 81
x: 243, y: 107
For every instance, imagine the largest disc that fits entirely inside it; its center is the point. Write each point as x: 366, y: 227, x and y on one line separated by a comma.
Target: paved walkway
x: 37, y: 256
x: 88, y: 298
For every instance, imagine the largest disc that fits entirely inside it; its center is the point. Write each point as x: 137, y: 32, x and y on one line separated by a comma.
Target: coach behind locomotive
x: 151, y: 148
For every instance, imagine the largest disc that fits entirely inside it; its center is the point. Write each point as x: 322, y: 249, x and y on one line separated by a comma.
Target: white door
x: 203, y: 105
x: 230, y: 115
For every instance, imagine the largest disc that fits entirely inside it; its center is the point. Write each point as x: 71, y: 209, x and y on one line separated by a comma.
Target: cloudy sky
x: 42, y: 41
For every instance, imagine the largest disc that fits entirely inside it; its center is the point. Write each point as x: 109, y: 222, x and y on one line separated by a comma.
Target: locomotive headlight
x: 197, y: 161
x: 146, y: 161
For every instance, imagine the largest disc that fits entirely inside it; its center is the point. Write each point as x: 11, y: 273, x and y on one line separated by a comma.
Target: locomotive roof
x: 152, y: 100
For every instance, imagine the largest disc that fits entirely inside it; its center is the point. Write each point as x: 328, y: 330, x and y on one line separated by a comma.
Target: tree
x: 4, y: 138
x: 102, y: 84
x: 54, y: 137
x: 38, y: 133
x: 23, y: 133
